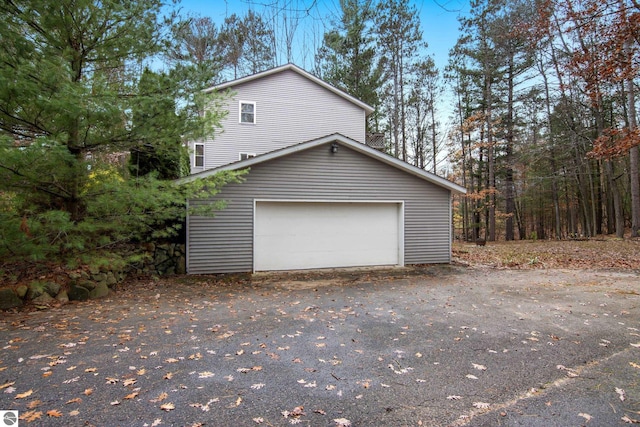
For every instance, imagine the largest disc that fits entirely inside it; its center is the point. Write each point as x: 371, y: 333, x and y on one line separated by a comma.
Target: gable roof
x: 342, y: 140
x: 366, y: 107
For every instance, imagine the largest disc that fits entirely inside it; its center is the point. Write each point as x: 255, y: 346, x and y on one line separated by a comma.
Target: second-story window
x: 199, y: 155
x: 247, y: 112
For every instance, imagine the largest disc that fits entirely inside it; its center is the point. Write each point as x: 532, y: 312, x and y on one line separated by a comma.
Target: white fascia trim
x: 328, y: 201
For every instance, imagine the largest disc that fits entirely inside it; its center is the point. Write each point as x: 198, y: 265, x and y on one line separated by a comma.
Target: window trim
x: 247, y: 155
x: 196, y: 155
x: 240, y: 104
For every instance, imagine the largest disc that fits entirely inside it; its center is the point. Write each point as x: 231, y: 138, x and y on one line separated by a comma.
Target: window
x: 199, y: 156
x: 245, y: 156
x: 247, y: 112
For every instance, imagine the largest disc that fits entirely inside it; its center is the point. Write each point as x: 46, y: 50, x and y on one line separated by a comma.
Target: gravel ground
x: 431, y: 346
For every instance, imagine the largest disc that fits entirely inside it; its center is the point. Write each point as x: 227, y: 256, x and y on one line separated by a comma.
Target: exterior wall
x: 224, y: 243
x: 289, y: 109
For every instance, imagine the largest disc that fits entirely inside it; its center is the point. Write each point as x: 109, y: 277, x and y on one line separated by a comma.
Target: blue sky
x: 438, y: 20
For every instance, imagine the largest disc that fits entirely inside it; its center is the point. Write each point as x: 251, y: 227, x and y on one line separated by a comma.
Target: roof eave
x: 341, y: 139
x: 366, y: 107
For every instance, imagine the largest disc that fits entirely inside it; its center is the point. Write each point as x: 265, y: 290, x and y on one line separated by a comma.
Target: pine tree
x: 70, y: 108
x: 400, y: 39
x: 347, y: 57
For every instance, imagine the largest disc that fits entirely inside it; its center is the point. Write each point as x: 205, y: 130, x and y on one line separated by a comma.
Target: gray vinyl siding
x: 224, y: 243
x: 289, y: 109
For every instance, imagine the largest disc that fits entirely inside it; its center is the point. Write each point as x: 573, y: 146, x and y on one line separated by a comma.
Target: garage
x: 320, y: 234
x: 326, y: 203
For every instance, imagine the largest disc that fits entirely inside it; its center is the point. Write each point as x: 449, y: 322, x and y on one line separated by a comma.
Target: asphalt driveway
x: 438, y: 346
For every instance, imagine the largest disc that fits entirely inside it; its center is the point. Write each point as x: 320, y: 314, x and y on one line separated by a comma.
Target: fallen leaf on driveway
x: 342, y: 422
x: 54, y: 413
x: 129, y: 382
x: 621, y: 393
x: 167, y: 407
x: 25, y: 394
x: 31, y: 416
x: 585, y: 416
x: 34, y: 404
x: 162, y: 396
x: 628, y: 420
x: 480, y: 405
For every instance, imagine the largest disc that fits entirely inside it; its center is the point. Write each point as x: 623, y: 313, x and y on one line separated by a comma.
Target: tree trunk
x: 617, y: 199
x: 509, y: 185
x: 634, y: 157
x: 491, y: 220
x: 434, y: 143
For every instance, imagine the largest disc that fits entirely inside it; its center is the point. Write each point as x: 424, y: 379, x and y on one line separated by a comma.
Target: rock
x: 101, y: 290
x: 181, y: 265
x: 111, y: 279
x: 161, y: 257
x: 62, y: 297
x: 52, y: 288
x: 87, y: 284
x: 44, y: 299
x: 21, y: 291
x: 9, y: 299
x: 74, y: 275
x: 78, y: 293
x: 94, y: 270
x: 100, y: 277
x: 36, y: 289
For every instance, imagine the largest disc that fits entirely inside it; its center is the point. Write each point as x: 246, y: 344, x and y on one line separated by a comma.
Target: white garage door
x: 302, y: 235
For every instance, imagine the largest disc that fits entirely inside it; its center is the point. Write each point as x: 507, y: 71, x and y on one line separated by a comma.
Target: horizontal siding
x: 224, y: 243
x: 289, y: 109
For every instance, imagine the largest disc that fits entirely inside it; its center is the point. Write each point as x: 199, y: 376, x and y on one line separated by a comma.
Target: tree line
x: 98, y: 98
x: 547, y: 137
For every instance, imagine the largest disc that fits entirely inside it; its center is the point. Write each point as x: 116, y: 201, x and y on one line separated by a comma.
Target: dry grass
x: 586, y: 254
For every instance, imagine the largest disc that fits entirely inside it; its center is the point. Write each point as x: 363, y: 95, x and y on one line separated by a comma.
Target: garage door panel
x: 291, y: 235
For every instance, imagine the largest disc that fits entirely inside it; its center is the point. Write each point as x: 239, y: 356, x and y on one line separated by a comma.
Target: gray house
x: 315, y: 195
x: 274, y: 109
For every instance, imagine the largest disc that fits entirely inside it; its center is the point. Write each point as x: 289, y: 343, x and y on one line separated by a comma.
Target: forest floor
x: 599, y: 253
